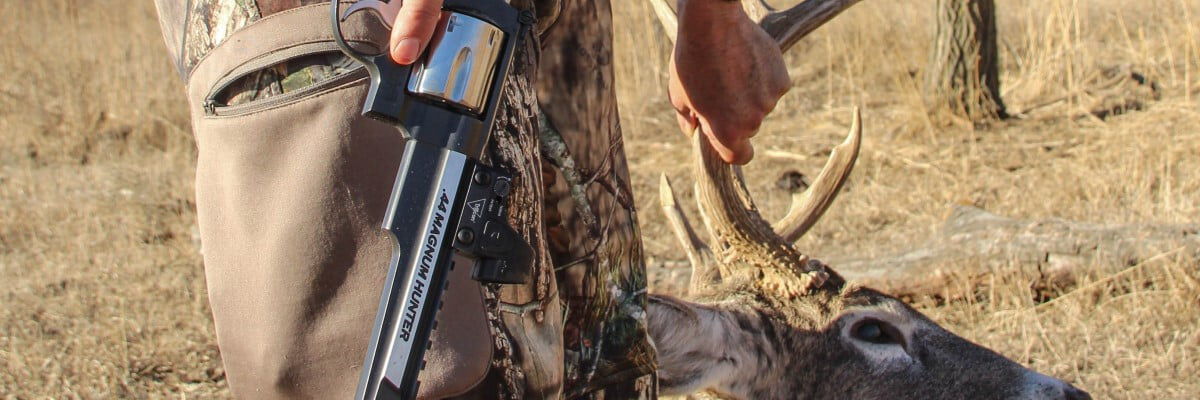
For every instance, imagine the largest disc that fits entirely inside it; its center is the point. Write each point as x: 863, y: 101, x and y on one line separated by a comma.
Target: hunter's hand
x: 726, y: 75
x: 414, y: 27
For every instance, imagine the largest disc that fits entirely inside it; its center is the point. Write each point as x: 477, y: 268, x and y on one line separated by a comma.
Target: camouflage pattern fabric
x: 591, y: 223
x: 285, y: 77
x: 589, y: 218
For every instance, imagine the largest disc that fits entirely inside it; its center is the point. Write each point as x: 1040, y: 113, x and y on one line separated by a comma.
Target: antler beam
x: 739, y: 234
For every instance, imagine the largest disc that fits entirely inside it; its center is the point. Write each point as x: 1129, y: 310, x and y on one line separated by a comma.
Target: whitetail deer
x: 764, y: 321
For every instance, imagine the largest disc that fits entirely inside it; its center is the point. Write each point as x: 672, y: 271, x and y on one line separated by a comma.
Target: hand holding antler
x: 726, y: 75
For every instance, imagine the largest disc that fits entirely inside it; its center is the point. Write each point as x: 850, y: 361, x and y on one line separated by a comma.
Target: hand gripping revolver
x: 447, y: 209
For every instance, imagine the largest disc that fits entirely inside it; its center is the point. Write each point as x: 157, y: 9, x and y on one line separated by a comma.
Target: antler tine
x: 666, y: 17
x: 787, y: 27
x: 791, y: 25
x: 808, y: 207
x: 757, y: 9
x: 704, y: 268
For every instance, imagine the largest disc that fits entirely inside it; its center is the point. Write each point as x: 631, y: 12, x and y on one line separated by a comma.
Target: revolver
x: 447, y: 209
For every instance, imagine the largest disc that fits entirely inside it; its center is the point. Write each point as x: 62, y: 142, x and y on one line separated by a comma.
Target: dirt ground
x: 102, y: 290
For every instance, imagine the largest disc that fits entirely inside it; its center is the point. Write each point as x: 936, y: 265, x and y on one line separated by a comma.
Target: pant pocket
x: 291, y: 186
x: 280, y: 78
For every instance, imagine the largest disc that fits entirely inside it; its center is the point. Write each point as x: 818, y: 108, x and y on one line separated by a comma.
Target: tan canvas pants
x: 289, y: 195
x: 291, y: 188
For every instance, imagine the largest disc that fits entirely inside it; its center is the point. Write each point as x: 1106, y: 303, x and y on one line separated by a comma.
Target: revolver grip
x: 385, y: 99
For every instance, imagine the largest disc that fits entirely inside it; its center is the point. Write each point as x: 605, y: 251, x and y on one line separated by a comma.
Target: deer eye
x: 875, y: 331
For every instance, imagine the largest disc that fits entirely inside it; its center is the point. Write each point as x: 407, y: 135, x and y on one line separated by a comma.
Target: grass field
x: 102, y: 291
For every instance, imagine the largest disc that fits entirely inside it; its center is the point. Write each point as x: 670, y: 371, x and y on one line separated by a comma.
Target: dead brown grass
x: 101, y: 288
x: 102, y: 293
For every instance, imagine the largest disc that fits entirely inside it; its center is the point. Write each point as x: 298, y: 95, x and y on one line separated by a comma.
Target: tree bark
x: 963, y: 75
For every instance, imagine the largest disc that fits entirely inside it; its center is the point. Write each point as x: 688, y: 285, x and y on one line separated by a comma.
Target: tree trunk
x: 963, y: 75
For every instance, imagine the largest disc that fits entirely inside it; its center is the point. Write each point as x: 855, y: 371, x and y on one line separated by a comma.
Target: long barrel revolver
x: 447, y: 209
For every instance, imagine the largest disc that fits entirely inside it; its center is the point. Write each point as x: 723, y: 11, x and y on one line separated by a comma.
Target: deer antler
x: 739, y: 233
x: 807, y: 207
x: 787, y: 27
x: 791, y: 25
x: 698, y: 253
x: 757, y: 9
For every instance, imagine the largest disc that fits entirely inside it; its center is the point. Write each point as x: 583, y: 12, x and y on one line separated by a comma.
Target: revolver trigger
x: 387, y: 10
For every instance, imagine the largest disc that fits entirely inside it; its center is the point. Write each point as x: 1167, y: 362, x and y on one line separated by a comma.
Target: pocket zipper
x: 210, y: 103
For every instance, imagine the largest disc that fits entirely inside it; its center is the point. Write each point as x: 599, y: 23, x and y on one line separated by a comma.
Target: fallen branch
x: 1111, y: 278
x: 974, y: 241
x: 1123, y: 89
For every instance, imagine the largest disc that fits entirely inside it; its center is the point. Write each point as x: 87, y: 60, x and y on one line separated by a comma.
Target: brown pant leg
x: 290, y: 197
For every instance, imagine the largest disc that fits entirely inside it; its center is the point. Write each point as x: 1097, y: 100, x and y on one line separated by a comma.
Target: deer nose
x: 1042, y: 387
x: 1073, y: 393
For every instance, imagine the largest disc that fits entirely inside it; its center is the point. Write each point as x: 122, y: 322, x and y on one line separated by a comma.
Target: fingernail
x: 405, y: 52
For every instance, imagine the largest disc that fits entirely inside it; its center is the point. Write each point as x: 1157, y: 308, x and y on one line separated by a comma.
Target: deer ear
x: 692, y: 343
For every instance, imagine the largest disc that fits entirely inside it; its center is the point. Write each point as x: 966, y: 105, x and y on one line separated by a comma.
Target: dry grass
x: 101, y: 289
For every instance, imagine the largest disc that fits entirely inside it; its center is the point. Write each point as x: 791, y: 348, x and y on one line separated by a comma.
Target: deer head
x: 764, y: 321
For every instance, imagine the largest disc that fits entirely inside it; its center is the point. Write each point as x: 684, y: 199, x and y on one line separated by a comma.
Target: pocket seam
x: 314, y: 95
x: 277, y: 56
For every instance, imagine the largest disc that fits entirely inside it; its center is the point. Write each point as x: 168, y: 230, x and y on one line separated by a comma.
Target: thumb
x: 414, y: 27
x: 737, y: 151
x: 687, y: 122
